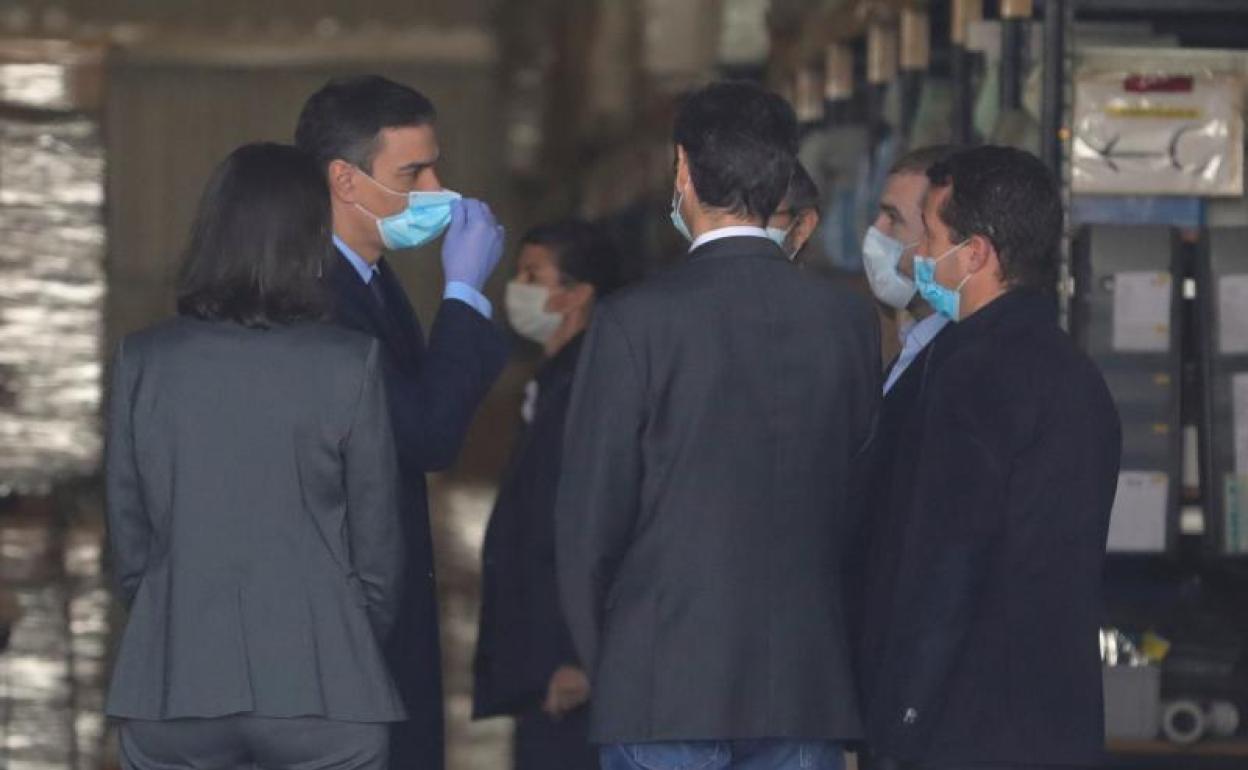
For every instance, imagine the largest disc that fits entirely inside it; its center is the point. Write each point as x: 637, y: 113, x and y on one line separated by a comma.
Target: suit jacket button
x: 911, y: 716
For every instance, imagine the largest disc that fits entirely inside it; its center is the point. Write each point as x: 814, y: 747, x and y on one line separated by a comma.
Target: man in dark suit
x: 888, y: 261
x: 703, y: 510
x: 888, y: 257
x: 990, y: 656
x: 376, y: 141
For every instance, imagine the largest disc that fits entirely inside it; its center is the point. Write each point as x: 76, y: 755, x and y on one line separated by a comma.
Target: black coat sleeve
x: 864, y: 475
x: 551, y: 643
x: 600, y: 490
x: 432, y: 404
x: 523, y: 637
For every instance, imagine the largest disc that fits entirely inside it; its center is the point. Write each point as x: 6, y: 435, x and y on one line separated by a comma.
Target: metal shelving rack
x: 1190, y: 20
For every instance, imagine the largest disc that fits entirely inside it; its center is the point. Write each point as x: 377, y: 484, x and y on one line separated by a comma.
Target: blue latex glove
x: 473, y: 244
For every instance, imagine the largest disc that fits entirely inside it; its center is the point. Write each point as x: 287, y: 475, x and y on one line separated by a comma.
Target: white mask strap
x: 379, y: 184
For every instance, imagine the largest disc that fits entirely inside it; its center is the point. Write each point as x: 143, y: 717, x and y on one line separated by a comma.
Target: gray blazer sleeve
x: 600, y: 490
x: 129, y: 528
x: 371, y: 472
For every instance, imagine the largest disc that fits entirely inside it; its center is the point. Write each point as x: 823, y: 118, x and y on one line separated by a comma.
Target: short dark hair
x: 583, y: 253
x: 260, y: 241
x: 920, y: 159
x: 803, y: 193
x: 1011, y: 198
x: 345, y: 117
x: 741, y: 142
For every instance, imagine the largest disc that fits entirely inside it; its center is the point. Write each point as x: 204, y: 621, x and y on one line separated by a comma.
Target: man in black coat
x: 377, y: 142
x: 990, y: 658
x: 703, y: 511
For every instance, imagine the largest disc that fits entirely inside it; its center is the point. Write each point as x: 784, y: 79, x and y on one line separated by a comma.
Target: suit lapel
x: 355, y: 307
x: 913, y: 371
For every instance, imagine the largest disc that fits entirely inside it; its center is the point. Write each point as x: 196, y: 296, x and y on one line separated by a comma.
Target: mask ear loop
x: 369, y: 177
x: 968, y: 275
x: 366, y: 211
x: 951, y: 250
x: 379, y: 184
x: 789, y: 231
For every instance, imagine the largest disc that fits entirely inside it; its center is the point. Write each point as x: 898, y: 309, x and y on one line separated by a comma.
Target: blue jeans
x: 767, y: 754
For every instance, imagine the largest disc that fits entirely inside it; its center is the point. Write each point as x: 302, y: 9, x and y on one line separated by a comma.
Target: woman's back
x: 254, y: 522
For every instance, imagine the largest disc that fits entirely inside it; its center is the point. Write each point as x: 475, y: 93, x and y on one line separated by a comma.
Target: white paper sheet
x: 1233, y: 314
x: 1142, y: 312
x: 1138, y: 521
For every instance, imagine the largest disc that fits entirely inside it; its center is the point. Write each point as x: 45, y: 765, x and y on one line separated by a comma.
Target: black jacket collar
x: 343, y: 275
x: 739, y: 246
x: 1016, y: 309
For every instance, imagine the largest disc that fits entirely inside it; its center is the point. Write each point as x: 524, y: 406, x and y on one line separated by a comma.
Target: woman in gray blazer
x: 252, y: 499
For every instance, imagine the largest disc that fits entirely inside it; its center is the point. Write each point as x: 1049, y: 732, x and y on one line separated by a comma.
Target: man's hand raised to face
x: 473, y: 244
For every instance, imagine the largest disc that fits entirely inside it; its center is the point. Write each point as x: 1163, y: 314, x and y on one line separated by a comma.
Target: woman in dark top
x: 252, y: 499
x: 525, y: 665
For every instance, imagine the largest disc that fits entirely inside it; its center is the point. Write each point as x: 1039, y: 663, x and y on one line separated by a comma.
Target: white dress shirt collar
x: 733, y: 231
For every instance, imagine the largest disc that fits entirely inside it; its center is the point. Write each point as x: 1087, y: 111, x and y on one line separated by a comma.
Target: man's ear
x: 682, y: 170
x: 341, y: 178
x: 979, y: 254
x: 807, y: 221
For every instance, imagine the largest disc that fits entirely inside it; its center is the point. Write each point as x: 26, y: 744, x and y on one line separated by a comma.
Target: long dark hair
x: 260, y: 241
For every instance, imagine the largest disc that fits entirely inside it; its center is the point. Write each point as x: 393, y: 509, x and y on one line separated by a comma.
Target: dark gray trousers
x: 254, y: 743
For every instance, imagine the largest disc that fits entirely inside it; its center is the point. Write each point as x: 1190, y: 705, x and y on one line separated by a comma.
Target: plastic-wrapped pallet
x: 52, y: 280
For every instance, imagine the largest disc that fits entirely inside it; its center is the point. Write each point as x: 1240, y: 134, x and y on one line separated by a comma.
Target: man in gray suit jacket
x: 715, y: 421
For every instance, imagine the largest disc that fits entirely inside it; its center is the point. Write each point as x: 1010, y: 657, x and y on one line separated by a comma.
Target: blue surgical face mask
x: 678, y: 221
x: 427, y: 216
x: 943, y: 300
